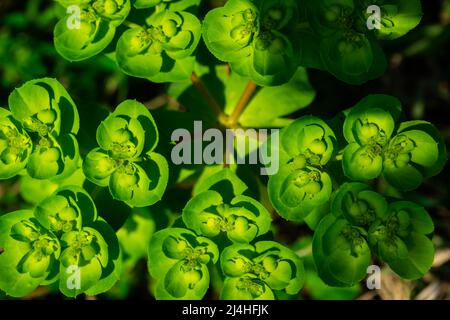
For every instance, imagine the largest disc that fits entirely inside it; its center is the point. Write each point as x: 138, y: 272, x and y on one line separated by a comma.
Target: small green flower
x: 178, y: 260
x: 39, y: 133
x: 404, y: 154
x: 162, y: 49
x: 341, y: 252
x: 302, y: 184
x: 402, y: 240
x: 254, y: 38
x: 30, y: 253
x: 359, y: 205
x: 254, y: 272
x: 63, y: 240
x: 15, y: 146
x: 125, y: 160
x: 242, y: 219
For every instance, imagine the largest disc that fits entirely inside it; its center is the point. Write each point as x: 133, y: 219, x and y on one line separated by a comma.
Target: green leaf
x: 246, y: 288
x: 362, y: 162
x: 222, y: 181
x: 407, y: 158
x: 178, y: 260
x: 29, y: 254
x: 341, y: 255
x: 162, y: 50
x: 136, y: 110
x: 373, y: 117
x: 419, y: 260
x: 313, y: 144
x: 271, y: 104
x: 145, y: 186
x: 15, y: 146
x: 35, y: 190
x: 43, y: 105
x: 242, y: 219
x: 359, y: 204
x: 296, y: 193
x: 134, y: 236
x: 84, y: 257
x: 267, y: 263
x: 67, y: 209
x: 112, y: 272
x: 402, y: 240
x: 398, y: 18
x: 225, y: 30
x: 98, y: 167
x: 177, y: 5
x: 93, y: 36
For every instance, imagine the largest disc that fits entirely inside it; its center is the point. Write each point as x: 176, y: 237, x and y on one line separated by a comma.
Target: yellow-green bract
x: 125, y: 160
x: 89, y: 27
x: 404, y: 153
x: 162, y: 50
x: 302, y: 184
x: 61, y: 240
x: 345, y: 33
x: 361, y: 225
x: 255, y: 38
x: 38, y: 134
x: 178, y: 260
x: 253, y: 272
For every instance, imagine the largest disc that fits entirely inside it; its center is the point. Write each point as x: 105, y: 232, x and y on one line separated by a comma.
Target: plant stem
x: 130, y: 24
x: 200, y: 86
x: 242, y: 103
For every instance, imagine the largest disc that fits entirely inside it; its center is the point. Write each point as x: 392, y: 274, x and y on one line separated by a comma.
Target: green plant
x: 240, y: 66
x: 125, y: 160
x: 58, y: 239
x: 38, y: 133
x: 348, y: 48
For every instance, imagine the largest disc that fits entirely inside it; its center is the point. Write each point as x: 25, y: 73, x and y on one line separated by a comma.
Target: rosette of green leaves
x: 89, y: 27
x: 254, y: 38
x: 404, y: 154
x: 397, y: 17
x: 417, y: 152
x: 176, y: 5
x: 402, y: 240
x: 341, y: 252
x: 15, y: 146
x: 302, y: 184
x: 162, y: 50
x: 126, y: 161
x: 45, y: 117
x: 66, y: 210
x: 349, y: 47
x: 178, y: 259
x: 360, y: 205
x: 61, y: 240
x: 255, y: 272
x: 90, y: 260
x: 30, y: 253
x: 368, y: 128
x: 242, y: 219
